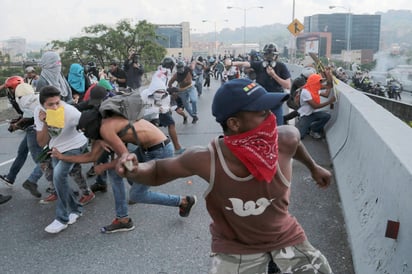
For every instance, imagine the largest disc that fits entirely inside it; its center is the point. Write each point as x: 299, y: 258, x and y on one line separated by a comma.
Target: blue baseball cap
x: 243, y: 95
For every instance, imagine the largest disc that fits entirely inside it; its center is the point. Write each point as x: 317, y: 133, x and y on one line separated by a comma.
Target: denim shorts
x: 166, y: 119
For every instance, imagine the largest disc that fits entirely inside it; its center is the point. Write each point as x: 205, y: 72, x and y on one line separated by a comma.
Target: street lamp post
x: 244, y: 22
x: 216, y: 48
x: 348, y: 28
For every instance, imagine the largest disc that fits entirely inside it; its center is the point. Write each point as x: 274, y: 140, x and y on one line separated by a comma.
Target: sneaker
x: 8, y: 182
x: 91, y: 172
x: 4, y: 198
x: 195, y: 119
x: 131, y: 202
x: 185, y: 120
x: 50, y: 190
x: 179, y: 151
x: 49, y: 199
x: 96, y: 187
x: 86, y: 198
x: 184, y: 210
x: 55, y: 227
x: 117, y: 226
x: 73, y: 217
x: 315, y: 135
x: 32, y: 187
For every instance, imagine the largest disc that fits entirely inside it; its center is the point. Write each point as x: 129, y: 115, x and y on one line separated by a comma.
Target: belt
x: 159, y: 145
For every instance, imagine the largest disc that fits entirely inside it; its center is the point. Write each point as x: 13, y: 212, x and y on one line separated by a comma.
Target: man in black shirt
x: 117, y: 76
x: 273, y: 75
x: 134, y: 70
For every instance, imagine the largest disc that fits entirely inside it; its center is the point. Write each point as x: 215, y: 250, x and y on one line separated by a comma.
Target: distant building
x: 175, y: 38
x: 364, y: 30
x: 15, y: 47
x: 316, y: 42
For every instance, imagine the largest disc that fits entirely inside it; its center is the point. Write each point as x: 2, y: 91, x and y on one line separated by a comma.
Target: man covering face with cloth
x: 249, y: 172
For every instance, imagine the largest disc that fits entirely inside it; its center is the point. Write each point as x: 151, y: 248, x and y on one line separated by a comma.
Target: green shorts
x: 301, y: 258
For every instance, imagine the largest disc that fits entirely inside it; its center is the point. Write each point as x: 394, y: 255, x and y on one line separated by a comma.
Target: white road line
x: 7, y: 162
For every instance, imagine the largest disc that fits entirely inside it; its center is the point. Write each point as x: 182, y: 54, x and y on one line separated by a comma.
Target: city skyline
x: 61, y: 20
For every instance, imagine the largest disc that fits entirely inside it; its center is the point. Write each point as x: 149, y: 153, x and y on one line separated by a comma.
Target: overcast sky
x: 46, y: 20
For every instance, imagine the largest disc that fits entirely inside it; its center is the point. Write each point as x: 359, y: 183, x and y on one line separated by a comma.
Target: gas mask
x: 269, y: 60
x: 271, y: 63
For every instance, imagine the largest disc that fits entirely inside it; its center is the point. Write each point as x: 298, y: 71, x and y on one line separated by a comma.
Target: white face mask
x: 157, y: 96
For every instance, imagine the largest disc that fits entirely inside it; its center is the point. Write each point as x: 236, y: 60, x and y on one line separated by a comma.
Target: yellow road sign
x: 296, y: 27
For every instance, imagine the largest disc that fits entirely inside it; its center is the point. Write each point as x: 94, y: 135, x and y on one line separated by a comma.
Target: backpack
x: 129, y: 105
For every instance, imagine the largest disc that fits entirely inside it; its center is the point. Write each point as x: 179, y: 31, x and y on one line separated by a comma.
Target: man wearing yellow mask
x: 56, y: 123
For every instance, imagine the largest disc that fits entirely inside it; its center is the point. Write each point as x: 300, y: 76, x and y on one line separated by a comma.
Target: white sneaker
x: 73, y: 218
x: 55, y: 227
x: 315, y: 135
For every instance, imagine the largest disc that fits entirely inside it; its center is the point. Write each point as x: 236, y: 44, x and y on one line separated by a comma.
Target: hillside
x: 395, y: 28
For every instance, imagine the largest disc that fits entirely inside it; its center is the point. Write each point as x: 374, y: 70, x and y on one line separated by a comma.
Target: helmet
x: 168, y: 62
x: 29, y: 69
x: 180, y: 66
x: 13, y: 81
x: 271, y: 48
x: 308, y: 71
x: 91, y: 64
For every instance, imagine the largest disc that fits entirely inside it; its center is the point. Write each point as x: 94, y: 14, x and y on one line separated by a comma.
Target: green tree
x: 103, y: 44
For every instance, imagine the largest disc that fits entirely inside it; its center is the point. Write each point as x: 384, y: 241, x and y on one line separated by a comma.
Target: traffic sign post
x: 296, y: 27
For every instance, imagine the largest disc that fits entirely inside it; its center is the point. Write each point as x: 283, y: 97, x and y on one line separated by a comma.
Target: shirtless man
x: 114, y: 132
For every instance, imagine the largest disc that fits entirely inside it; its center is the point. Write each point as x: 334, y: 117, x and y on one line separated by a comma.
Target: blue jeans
x: 315, y: 122
x: 119, y: 193
x: 101, y: 179
x: 279, y: 115
x: 28, y: 143
x: 189, y: 100
x: 67, y: 201
x: 140, y: 193
x: 199, y: 84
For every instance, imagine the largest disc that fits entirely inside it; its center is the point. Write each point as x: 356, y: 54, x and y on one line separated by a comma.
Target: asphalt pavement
x: 162, y: 242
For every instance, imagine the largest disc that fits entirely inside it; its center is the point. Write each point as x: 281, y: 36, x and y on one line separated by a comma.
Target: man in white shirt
x: 312, y: 120
x: 56, y: 123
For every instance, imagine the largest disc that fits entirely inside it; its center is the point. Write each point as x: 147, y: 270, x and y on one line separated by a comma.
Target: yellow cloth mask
x: 55, y: 118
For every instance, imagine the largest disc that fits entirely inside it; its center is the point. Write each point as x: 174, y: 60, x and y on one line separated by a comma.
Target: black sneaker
x: 185, y: 120
x: 5, y: 180
x: 195, y: 119
x: 4, y: 198
x: 117, y: 226
x: 50, y: 190
x: 184, y: 210
x: 98, y: 187
x: 32, y: 187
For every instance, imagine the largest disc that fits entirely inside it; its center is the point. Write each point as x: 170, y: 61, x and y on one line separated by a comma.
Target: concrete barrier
x: 372, y: 159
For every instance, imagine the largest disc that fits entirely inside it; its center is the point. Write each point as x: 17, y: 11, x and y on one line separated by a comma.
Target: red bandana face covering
x: 257, y: 149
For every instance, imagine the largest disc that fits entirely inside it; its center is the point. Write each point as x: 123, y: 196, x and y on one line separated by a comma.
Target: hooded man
x: 312, y: 120
x: 51, y: 75
x: 158, y: 108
